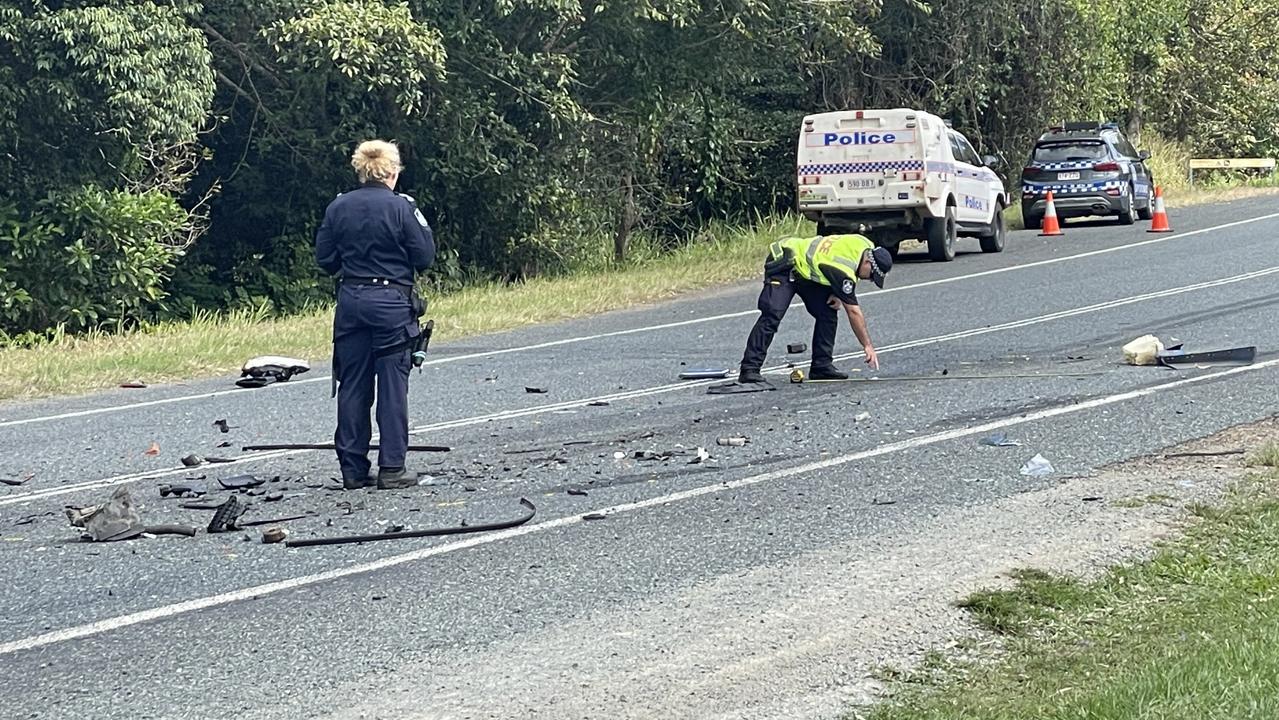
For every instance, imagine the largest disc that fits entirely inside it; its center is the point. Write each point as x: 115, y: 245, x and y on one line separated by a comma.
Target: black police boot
x: 396, y: 478
x: 358, y: 483
x: 748, y: 375
x: 826, y: 372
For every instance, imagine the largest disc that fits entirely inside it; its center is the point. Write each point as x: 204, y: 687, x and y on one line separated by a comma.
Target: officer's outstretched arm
x: 420, y: 239
x: 857, y: 321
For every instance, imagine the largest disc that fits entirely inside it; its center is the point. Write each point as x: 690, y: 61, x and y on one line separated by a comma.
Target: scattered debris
x: 1206, y: 453
x: 153, y: 450
x: 1092, y: 498
x: 701, y: 456
x: 595, y: 516
x: 704, y: 374
x: 273, y: 535
x: 224, y: 443
x: 192, y: 460
x: 15, y: 483
x: 645, y: 455
x: 117, y: 519
x: 240, y: 482
x: 877, y: 501
x: 29, y: 519
x: 861, y: 417
x: 266, y: 369
x: 272, y: 521
x: 274, y: 497
x: 227, y: 514
x: 797, y: 375
x: 222, y: 426
x: 598, y: 403
x: 734, y: 387
x: 1233, y: 356
x: 393, y: 528
x: 619, y: 455
x: 1038, y: 466
x: 133, y: 384
x: 731, y: 441
x: 1143, y: 351
x: 530, y: 511
x: 577, y: 491
x: 534, y: 390
x: 182, y: 489
x: 796, y: 348
x: 212, y: 459
x: 999, y: 440
x: 206, y: 505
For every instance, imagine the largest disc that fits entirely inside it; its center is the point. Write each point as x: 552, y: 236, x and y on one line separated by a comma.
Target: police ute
x: 898, y: 174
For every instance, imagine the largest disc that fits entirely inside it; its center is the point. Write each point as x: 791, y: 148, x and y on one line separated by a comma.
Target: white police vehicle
x: 898, y: 174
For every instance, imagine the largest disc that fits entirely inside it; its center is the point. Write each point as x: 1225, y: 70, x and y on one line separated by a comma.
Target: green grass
x: 214, y: 344
x: 1267, y: 456
x: 1193, y: 633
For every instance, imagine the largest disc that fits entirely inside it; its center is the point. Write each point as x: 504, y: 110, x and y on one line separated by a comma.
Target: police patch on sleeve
x: 847, y: 286
x: 420, y: 219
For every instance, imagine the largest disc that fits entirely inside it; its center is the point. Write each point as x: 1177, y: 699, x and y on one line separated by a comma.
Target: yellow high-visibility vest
x: 842, y: 251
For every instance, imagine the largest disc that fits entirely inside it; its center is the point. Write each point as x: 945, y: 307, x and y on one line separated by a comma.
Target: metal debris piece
x: 1038, y: 466
x: 240, y: 482
x: 182, y: 489
x: 796, y: 348
x: 227, y: 514
x: 704, y: 374
x: 15, y: 483
x: 731, y: 441
x: 534, y: 390
x: 999, y: 440
x: 530, y: 511
x: 192, y: 460
x: 1232, y: 356
x: 274, y: 535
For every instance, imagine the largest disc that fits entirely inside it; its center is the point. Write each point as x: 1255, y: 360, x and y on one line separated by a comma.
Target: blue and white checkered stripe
x: 1069, y: 188
x: 1073, y: 165
x: 862, y: 167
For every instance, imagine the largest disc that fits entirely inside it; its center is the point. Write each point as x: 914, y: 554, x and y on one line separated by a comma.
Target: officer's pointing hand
x: 871, y: 358
x: 834, y: 302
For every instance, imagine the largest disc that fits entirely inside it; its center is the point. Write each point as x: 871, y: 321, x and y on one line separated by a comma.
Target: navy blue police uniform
x: 375, y: 240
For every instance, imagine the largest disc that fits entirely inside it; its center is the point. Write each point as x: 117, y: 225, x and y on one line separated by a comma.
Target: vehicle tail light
x: 860, y: 115
x: 912, y: 175
x: 1029, y: 170
x: 1106, y: 167
x: 1113, y: 192
x: 810, y: 179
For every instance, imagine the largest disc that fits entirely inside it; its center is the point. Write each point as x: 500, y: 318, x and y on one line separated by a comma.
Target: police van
x: 898, y: 174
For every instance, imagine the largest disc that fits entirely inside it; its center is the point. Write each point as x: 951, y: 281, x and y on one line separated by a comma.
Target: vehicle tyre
x: 1125, y: 208
x: 822, y: 227
x: 994, y: 242
x: 942, y: 233
x: 1148, y: 211
x: 1033, y: 222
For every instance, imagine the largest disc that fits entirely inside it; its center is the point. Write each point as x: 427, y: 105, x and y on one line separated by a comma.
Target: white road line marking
x: 660, y: 389
x: 643, y: 329
x: 167, y: 611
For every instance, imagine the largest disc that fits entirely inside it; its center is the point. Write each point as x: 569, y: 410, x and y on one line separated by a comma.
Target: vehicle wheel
x: 994, y: 242
x: 942, y: 232
x: 822, y: 228
x: 1148, y: 211
x: 1125, y: 208
x: 1033, y: 222
x: 893, y: 250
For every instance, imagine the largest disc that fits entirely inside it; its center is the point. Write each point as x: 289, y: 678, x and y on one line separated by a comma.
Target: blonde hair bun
x: 376, y: 160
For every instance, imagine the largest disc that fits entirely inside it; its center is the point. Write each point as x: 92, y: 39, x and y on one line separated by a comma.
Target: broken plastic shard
x: 1038, y: 466
x: 240, y: 482
x: 731, y: 441
x: 863, y: 416
x: 999, y: 440
x: 192, y: 460
x: 702, y: 456
x: 535, y: 390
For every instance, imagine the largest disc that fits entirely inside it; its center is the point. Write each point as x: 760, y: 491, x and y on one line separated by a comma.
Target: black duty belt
x: 379, y: 282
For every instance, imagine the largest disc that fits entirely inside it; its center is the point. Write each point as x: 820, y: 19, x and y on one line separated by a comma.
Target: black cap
x: 881, y: 261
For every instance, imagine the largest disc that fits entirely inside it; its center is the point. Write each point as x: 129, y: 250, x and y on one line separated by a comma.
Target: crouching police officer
x: 376, y: 239
x: 824, y: 272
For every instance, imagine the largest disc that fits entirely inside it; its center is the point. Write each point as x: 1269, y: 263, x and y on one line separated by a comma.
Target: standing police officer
x: 824, y: 272
x: 376, y: 240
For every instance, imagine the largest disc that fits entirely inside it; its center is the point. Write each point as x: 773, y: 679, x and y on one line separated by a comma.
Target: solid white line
x: 646, y: 328
x: 204, y: 603
x: 660, y: 389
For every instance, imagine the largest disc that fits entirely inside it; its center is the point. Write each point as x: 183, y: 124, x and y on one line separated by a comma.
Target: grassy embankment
x: 1191, y: 633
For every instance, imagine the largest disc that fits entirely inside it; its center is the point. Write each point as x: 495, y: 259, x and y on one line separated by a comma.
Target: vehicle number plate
x: 862, y: 184
x: 1068, y: 176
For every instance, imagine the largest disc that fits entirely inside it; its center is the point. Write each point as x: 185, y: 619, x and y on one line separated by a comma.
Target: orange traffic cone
x: 1159, y: 223
x: 1051, y: 226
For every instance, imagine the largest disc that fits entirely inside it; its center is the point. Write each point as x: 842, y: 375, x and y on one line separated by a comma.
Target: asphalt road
x: 619, y: 616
